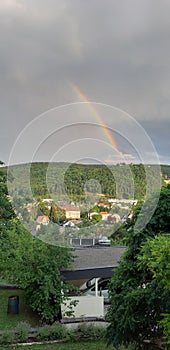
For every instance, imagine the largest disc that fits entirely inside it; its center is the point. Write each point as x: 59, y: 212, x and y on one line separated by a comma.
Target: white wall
x: 86, y: 306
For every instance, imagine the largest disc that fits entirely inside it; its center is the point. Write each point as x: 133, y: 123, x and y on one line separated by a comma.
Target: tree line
x: 76, y: 180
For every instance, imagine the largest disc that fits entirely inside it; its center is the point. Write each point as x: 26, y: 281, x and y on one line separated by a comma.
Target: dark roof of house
x: 97, y: 256
x: 95, y: 261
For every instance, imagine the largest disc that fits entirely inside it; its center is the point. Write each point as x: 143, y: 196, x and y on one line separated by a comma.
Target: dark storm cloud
x: 117, y: 52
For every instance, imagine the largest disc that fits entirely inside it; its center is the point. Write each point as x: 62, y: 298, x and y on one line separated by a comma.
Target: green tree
x: 6, y: 212
x: 30, y: 263
x: 35, y: 266
x: 57, y: 214
x: 155, y: 256
x: 43, y: 209
x: 137, y: 298
x: 96, y: 218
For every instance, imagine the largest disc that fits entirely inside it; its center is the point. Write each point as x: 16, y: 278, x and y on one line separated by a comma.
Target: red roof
x: 71, y: 208
x: 104, y: 205
x: 43, y: 218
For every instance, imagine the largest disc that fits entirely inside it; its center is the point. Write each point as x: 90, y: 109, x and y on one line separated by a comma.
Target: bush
x: 88, y: 332
x: 7, y: 338
x: 165, y: 324
x: 57, y: 331
x: 130, y: 347
x: 22, y: 331
x: 53, y: 332
x: 43, y: 333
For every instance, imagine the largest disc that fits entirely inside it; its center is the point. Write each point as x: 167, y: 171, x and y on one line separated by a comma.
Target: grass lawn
x: 64, y: 346
x: 8, y: 321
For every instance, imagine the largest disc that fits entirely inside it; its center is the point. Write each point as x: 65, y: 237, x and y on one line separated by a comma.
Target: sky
x: 115, y: 53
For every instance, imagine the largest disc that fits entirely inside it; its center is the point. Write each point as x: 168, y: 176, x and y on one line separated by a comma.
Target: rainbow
x: 105, y: 129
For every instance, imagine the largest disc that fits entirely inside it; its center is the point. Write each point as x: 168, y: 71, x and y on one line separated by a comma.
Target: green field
x: 8, y: 321
x: 64, y: 346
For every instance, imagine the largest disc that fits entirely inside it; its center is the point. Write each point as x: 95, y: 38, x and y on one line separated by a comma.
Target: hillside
x: 75, y: 180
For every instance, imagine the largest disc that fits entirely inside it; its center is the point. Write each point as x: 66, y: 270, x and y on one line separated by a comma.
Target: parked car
x: 102, y: 288
x: 104, y: 241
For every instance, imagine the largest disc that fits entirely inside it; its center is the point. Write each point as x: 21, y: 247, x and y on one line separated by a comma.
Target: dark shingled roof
x: 94, y: 261
x: 96, y: 257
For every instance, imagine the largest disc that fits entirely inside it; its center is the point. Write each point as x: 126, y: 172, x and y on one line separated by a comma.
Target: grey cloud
x: 117, y: 52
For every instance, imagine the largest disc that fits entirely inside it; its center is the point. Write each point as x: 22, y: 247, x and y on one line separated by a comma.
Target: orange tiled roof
x: 71, y: 208
x: 43, y: 218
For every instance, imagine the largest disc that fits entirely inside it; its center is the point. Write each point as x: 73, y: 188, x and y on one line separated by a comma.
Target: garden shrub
x: 53, y: 332
x: 22, y: 331
x: 89, y: 332
x: 43, y: 333
x: 7, y: 338
x: 57, y: 331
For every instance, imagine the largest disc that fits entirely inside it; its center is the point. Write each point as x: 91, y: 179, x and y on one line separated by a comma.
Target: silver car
x: 102, y: 289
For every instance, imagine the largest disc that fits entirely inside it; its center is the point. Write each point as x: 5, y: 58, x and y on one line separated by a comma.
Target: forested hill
x: 120, y: 180
x: 165, y: 170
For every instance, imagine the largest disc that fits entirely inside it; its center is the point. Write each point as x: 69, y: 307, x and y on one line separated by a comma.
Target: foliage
x: 74, y: 180
x: 22, y: 330
x: 83, y: 331
x: 7, y: 338
x: 165, y: 170
x: 56, y: 331
x: 96, y: 218
x: 89, y: 332
x: 57, y: 214
x: 43, y: 209
x: 84, y: 345
x: 78, y: 345
x: 119, y: 236
x: 34, y: 266
x: 30, y: 263
x: 137, y: 298
x: 6, y: 212
x: 49, y: 233
x: 53, y: 332
x: 165, y: 324
x: 10, y: 321
x: 155, y: 256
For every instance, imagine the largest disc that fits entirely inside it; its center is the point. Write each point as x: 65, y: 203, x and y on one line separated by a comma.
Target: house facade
x: 72, y: 213
x: 104, y: 215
